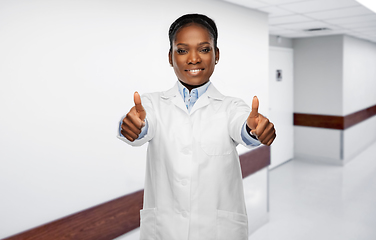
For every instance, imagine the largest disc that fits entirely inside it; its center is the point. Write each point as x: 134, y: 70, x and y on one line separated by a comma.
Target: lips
x: 195, y: 71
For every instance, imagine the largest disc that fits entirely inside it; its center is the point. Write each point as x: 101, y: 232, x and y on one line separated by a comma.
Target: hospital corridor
x: 134, y: 120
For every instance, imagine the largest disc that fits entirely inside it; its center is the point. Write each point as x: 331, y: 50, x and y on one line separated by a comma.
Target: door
x: 281, y: 104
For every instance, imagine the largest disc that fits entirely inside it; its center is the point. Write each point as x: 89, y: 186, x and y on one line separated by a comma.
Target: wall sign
x: 279, y: 75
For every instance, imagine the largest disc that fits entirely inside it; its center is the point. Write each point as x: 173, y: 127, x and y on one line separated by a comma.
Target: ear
x: 216, y: 55
x: 170, y: 58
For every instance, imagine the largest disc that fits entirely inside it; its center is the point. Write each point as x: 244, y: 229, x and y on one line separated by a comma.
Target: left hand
x: 260, y: 125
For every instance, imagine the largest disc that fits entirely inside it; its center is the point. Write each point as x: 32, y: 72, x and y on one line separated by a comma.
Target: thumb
x: 139, y: 108
x: 252, y: 120
x: 255, y: 106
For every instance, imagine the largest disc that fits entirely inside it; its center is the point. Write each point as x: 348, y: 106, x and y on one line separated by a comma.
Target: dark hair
x: 195, y: 18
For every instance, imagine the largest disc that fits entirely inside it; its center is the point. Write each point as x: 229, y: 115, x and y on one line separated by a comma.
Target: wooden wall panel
x: 357, y: 117
x: 255, y: 160
x: 119, y: 216
x: 333, y: 122
x: 103, y: 222
x: 320, y: 121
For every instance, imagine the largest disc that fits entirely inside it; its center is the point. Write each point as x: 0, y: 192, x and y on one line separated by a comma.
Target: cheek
x: 178, y: 66
x: 210, y: 62
x: 209, y: 59
x: 178, y: 61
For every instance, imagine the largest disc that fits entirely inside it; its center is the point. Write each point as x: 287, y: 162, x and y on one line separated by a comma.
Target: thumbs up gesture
x: 260, y: 125
x: 134, y: 120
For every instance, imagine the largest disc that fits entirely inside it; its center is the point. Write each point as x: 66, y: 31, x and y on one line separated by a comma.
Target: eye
x: 205, y: 50
x: 181, y: 51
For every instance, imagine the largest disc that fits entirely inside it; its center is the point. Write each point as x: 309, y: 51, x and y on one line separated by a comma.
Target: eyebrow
x: 202, y: 43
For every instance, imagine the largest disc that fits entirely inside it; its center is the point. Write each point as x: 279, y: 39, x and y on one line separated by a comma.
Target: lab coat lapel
x: 211, y: 94
x: 174, y: 96
x: 201, y: 102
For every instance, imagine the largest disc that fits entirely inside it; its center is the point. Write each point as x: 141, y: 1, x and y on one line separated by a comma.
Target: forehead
x: 193, y: 33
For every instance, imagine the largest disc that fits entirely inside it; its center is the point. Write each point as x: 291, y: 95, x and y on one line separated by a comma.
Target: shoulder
x: 230, y: 100
x: 236, y: 104
x: 164, y: 94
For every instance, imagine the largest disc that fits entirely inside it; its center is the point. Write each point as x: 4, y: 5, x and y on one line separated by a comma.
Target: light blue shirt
x: 190, y: 98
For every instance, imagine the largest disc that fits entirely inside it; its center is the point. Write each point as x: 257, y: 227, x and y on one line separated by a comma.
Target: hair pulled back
x: 194, y: 18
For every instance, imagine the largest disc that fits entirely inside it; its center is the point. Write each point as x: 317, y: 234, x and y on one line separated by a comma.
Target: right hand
x: 260, y: 125
x: 134, y: 120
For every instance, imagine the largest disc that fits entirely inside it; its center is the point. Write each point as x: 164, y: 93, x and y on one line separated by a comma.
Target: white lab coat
x: 193, y: 183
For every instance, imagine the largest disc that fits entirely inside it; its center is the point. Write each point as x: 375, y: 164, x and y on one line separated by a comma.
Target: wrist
x: 249, y: 131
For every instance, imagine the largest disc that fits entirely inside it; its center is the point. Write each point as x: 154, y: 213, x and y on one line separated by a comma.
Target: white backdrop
x: 68, y: 70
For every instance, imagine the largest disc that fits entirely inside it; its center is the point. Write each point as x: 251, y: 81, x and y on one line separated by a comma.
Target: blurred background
x: 68, y: 71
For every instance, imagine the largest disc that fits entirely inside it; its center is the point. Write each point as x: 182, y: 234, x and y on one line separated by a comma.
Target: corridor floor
x: 314, y: 201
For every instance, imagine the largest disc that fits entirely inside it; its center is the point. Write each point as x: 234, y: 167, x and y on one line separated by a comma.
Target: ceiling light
x: 316, y: 29
x: 370, y: 4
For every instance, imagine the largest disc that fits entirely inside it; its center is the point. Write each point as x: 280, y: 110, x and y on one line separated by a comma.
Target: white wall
x: 68, y: 70
x: 359, y: 74
x: 318, y: 144
x: 334, y: 75
x: 359, y: 92
x: 318, y: 75
x: 358, y: 137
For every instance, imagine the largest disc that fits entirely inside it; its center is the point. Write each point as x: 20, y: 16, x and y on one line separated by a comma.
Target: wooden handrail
x: 334, y: 122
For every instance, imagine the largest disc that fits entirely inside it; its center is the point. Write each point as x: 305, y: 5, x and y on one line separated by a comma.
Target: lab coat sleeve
x: 247, y: 138
x: 238, y: 114
x: 150, y: 118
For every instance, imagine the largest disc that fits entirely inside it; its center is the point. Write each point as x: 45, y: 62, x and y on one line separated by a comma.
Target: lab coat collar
x: 172, y: 95
x: 211, y: 93
x: 171, y: 92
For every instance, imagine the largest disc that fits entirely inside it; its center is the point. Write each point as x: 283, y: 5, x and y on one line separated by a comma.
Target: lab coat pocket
x: 215, y: 139
x: 147, y: 224
x: 231, y: 225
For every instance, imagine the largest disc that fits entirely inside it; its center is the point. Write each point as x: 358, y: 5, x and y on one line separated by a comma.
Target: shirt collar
x: 211, y: 92
x: 184, y: 92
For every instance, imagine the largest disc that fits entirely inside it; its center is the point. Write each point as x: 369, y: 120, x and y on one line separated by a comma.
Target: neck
x: 190, y: 87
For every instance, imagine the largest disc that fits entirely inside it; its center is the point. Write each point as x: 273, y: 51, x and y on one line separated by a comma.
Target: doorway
x: 281, y: 91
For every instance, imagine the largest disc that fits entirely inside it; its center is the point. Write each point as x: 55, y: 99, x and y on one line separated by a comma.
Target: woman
x: 193, y: 184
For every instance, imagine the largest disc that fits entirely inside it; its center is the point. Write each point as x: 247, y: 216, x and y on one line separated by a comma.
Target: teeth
x: 194, y: 70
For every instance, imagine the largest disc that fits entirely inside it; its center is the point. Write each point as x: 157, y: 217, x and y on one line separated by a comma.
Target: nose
x: 193, y: 58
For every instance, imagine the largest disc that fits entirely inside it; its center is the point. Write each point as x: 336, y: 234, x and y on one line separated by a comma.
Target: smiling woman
x: 193, y: 185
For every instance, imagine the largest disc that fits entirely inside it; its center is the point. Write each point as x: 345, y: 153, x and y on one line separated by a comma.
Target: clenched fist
x: 134, y: 120
x: 260, y: 125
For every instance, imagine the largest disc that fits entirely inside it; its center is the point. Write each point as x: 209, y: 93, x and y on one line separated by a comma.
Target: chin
x: 196, y: 81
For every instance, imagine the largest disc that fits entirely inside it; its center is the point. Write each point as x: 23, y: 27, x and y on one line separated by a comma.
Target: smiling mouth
x: 194, y: 70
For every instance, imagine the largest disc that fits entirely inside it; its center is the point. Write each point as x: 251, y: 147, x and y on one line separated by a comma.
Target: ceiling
x: 292, y: 18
